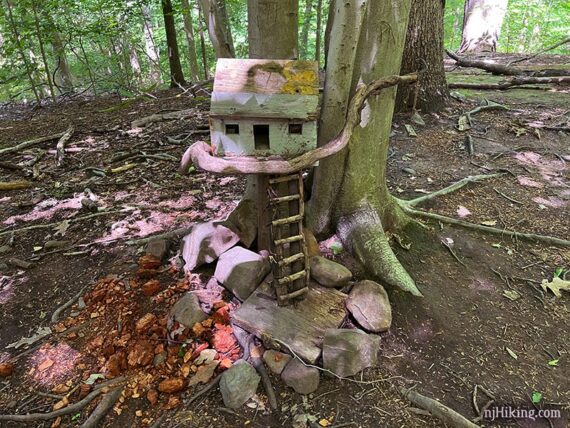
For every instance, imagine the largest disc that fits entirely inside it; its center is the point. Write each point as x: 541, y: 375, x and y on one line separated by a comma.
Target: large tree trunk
x: 482, y: 22
x: 273, y: 27
x: 176, y: 75
x: 150, y: 46
x: 318, y: 36
x: 63, y: 77
x: 202, y: 41
x: 218, y: 25
x: 189, y: 31
x: 423, y: 53
x: 350, y: 195
x: 39, y: 33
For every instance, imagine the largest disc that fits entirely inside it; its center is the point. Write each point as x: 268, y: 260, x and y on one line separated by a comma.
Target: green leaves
x: 536, y: 397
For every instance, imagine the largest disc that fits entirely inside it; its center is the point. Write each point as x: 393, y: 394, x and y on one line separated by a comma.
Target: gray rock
x: 3, y: 267
x: 238, y: 384
x: 159, y: 359
x: 275, y: 360
x: 243, y: 221
x: 89, y: 205
x: 157, y: 248
x: 50, y: 245
x: 303, y: 379
x: 328, y: 273
x: 5, y: 249
x: 187, y: 310
x: 205, y: 244
x: 347, y: 352
x: 241, y: 271
x: 369, y: 304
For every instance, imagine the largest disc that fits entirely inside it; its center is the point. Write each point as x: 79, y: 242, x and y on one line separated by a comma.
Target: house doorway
x: 261, y: 137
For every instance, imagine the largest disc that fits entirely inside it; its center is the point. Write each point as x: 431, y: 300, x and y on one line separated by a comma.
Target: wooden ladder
x: 290, y: 257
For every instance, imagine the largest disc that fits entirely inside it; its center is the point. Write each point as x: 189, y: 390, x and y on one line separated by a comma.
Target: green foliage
x: 529, y: 25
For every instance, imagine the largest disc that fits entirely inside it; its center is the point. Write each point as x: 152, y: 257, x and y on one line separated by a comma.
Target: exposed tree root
x: 102, y: 408
x: 55, y: 316
x: 363, y: 235
x: 15, y: 185
x: 60, y: 147
x: 452, y: 188
x: 531, y: 237
x: 437, y: 409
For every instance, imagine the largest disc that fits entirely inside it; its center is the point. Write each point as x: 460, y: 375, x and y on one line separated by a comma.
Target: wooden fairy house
x: 264, y: 108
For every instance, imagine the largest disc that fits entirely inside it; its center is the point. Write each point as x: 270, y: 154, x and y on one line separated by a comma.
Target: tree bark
x: 350, y: 192
x: 318, y: 36
x: 43, y: 50
x: 189, y: 31
x: 150, y: 46
x: 63, y: 77
x: 423, y: 53
x: 273, y: 27
x: 176, y: 74
x: 307, y: 16
x: 203, y: 41
x: 218, y: 26
x: 482, y: 22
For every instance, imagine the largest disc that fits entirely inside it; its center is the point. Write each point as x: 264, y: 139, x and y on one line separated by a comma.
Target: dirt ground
x: 484, y: 331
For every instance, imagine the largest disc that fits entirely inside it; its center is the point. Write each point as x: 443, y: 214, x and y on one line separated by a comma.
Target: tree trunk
x: 273, y: 27
x: 218, y: 26
x: 318, y: 36
x: 150, y: 46
x: 307, y: 16
x: 176, y: 75
x: 20, y: 48
x: 63, y: 77
x: 189, y: 31
x: 482, y: 22
x: 423, y: 53
x: 43, y: 51
x: 202, y: 41
x: 350, y: 195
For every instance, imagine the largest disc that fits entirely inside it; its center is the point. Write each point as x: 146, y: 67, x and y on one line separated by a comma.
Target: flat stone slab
x: 301, y: 326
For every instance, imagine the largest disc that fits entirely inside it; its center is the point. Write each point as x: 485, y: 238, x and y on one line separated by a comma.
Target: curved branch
x: 200, y: 153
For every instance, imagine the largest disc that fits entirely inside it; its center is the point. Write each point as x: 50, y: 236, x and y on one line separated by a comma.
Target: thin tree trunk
x: 150, y: 46
x: 63, y: 77
x: 307, y: 17
x: 482, y: 22
x: 20, y: 48
x: 319, y: 30
x: 423, y: 53
x: 273, y: 28
x: 42, y: 50
x: 202, y: 21
x: 189, y: 31
x: 176, y: 74
x: 217, y: 22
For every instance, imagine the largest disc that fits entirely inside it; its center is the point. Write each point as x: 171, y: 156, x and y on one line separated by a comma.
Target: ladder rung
x: 288, y: 220
x: 292, y: 278
x: 294, y: 294
x: 284, y: 179
x: 285, y: 199
x: 288, y: 240
x: 291, y: 259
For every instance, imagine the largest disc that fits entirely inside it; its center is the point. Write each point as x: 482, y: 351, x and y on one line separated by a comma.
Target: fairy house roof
x: 270, y: 89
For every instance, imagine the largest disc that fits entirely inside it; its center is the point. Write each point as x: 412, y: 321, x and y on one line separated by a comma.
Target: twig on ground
x: 446, y: 245
x: 437, y: 409
x: 551, y: 240
x: 455, y: 186
x: 507, y: 197
x: 66, y: 305
x: 60, y: 147
x: 204, y: 390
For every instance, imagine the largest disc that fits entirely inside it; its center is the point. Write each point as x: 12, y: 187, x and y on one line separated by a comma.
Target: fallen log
x: 15, y: 185
x: 200, y: 153
x: 511, y: 83
x: 29, y: 143
x: 500, y: 69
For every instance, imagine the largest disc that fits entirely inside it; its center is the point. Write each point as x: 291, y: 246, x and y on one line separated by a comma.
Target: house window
x: 261, y: 137
x: 232, y: 129
x: 295, y: 128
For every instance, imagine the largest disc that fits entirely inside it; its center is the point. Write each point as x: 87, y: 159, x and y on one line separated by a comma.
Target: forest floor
x: 484, y: 328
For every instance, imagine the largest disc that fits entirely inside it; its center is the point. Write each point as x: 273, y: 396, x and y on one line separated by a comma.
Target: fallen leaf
x: 553, y: 363
x: 462, y: 211
x: 61, y: 228
x: 536, y: 397
x: 463, y: 123
x: 46, y: 364
x: 93, y: 378
x: 206, y: 356
x: 512, y: 353
x: 511, y: 295
x: 40, y: 334
x: 410, y: 130
x: 489, y: 223
x: 61, y: 403
x: 556, y: 285
x: 204, y: 373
